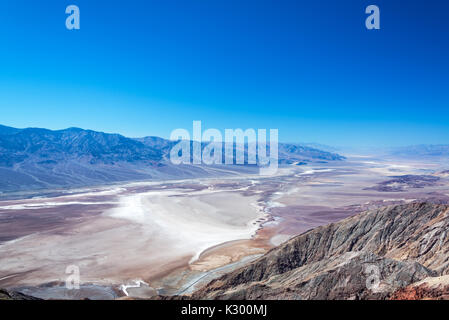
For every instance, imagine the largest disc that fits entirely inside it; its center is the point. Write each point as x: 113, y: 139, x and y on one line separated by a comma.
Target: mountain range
x: 422, y: 151
x: 35, y: 158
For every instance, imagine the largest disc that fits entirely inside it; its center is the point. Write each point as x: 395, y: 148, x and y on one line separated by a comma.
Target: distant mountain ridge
x: 35, y: 158
x: 422, y: 150
x: 57, y: 145
x: 4, y: 130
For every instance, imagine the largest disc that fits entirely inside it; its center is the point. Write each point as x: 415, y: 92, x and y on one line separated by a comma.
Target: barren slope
x: 398, y: 245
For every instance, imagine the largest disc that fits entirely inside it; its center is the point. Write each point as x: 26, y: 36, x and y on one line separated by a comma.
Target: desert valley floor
x: 147, y: 238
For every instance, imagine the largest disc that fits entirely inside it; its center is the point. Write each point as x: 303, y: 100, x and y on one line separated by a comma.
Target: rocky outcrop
x: 436, y: 288
x: 368, y: 256
x: 12, y: 295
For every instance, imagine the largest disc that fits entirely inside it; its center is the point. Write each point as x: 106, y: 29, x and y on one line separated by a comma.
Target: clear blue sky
x: 308, y: 68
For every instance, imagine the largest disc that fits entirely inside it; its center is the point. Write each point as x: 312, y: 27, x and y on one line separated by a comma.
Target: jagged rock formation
x: 12, y: 295
x: 368, y: 256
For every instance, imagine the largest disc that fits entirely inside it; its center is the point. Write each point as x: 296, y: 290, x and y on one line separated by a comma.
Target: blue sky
x: 309, y: 68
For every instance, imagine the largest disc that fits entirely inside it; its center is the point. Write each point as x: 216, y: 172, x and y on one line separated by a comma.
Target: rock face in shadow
x: 12, y: 295
x: 368, y: 256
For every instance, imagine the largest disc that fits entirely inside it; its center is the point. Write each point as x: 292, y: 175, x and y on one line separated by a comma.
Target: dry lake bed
x: 147, y: 238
